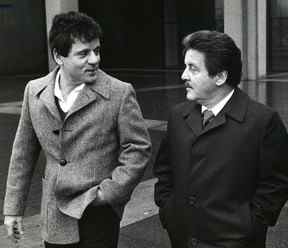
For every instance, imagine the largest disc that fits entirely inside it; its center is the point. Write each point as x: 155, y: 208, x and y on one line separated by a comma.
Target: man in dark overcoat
x: 222, y: 167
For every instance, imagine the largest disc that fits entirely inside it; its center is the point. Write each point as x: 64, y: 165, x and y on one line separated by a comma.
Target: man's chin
x: 91, y: 79
x: 190, y: 97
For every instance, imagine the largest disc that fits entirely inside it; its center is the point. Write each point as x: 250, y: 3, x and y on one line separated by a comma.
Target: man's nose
x: 93, y: 58
x: 184, y: 75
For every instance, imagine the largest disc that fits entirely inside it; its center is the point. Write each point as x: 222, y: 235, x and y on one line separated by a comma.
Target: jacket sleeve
x: 134, y: 154
x: 163, y: 171
x: 25, y: 152
x: 272, y: 186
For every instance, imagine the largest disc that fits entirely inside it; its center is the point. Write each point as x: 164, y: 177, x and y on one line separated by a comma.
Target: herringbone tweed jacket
x: 102, y: 143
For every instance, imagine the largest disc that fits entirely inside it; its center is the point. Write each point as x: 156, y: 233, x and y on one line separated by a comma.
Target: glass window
x: 278, y: 36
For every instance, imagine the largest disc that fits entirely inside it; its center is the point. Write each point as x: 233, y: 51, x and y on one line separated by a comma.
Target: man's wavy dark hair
x: 220, y: 51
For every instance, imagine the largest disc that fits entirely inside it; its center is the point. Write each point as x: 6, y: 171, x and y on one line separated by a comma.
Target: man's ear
x: 221, y: 78
x: 57, y: 57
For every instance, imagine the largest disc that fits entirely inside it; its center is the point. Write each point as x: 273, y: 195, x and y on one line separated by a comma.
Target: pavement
x: 140, y: 227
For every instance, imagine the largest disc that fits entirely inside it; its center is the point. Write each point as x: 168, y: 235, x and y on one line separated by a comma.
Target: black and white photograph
x: 143, y: 124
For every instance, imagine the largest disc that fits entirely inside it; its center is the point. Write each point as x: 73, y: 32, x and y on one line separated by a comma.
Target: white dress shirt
x: 220, y: 105
x: 65, y: 105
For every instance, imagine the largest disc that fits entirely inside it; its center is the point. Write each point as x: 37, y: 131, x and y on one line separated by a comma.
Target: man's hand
x: 14, y: 227
x: 99, y: 200
x: 100, y: 195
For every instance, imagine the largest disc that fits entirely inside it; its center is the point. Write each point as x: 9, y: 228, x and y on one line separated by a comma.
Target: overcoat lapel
x: 192, y: 117
x: 219, y: 120
x: 235, y: 108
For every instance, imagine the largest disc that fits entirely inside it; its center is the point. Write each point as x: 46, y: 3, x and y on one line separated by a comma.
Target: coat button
x: 192, y: 200
x: 192, y: 242
x: 63, y: 162
x: 56, y: 131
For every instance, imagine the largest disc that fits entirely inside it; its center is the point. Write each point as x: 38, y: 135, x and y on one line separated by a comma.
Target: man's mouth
x: 94, y: 70
x: 187, y: 85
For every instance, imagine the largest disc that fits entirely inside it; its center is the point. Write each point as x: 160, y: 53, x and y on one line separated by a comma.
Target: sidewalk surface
x: 140, y: 227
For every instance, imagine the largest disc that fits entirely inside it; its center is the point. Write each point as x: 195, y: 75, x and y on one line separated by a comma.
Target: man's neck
x: 217, y: 97
x: 66, y: 84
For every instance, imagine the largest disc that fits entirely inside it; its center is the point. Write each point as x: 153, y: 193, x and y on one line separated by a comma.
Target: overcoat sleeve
x: 163, y: 172
x: 272, y: 185
x: 135, y: 151
x: 25, y: 152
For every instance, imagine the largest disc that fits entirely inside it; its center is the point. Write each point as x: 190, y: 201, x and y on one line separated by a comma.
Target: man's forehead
x: 82, y: 44
x: 194, y: 56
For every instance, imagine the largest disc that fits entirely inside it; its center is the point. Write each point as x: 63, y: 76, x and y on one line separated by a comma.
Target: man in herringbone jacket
x: 91, y: 130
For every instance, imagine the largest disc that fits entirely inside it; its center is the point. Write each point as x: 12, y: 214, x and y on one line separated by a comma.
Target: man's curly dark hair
x: 71, y: 26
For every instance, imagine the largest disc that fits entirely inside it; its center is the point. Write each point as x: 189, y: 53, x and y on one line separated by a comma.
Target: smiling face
x: 200, y: 87
x: 82, y: 62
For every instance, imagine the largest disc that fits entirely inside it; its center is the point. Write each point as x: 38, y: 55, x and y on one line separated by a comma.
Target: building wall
x: 246, y: 22
x: 133, y: 34
x: 23, y: 38
x: 278, y: 35
x: 151, y: 36
x: 52, y: 8
x: 141, y: 35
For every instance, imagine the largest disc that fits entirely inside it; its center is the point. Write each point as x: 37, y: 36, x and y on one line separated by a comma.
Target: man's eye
x: 83, y: 54
x: 97, y: 51
x: 193, y: 69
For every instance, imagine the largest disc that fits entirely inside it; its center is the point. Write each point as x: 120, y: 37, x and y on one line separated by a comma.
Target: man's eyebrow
x: 83, y: 50
x: 190, y: 64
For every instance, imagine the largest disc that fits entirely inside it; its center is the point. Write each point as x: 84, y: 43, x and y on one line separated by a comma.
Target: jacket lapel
x: 85, y: 97
x: 91, y: 92
x: 46, y: 94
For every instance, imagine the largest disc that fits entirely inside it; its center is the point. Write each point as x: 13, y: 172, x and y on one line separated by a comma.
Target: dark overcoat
x: 225, y: 183
x: 102, y: 143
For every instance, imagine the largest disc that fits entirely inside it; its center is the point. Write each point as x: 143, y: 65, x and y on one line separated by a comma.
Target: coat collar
x: 192, y: 116
x: 235, y: 108
x: 91, y: 92
x: 44, y: 89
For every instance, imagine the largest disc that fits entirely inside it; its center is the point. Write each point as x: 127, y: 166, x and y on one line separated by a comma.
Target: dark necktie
x: 207, y: 117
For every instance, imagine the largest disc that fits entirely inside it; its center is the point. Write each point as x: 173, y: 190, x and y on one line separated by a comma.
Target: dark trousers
x: 98, y: 228
x: 258, y: 241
